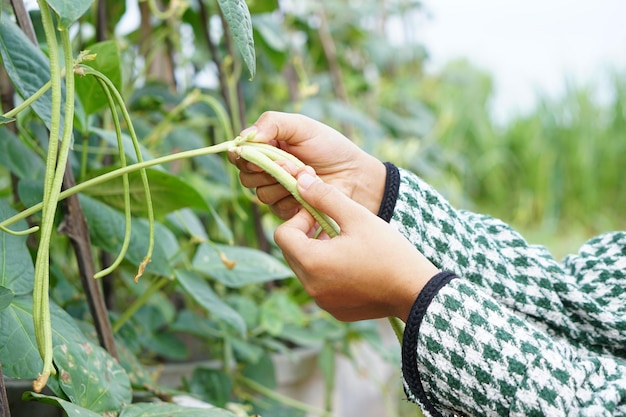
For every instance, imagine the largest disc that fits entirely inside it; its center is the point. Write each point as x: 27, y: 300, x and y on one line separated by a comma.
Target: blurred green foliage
x: 555, y: 172
x: 552, y: 172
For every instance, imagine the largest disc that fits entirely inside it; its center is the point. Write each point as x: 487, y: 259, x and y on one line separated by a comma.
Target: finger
x: 242, y: 164
x: 330, y: 200
x: 256, y: 179
x: 283, y: 127
x: 272, y: 193
x: 293, y: 234
x: 286, y: 208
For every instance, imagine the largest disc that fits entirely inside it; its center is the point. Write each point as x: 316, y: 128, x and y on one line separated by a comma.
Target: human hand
x: 336, y: 159
x: 369, y: 271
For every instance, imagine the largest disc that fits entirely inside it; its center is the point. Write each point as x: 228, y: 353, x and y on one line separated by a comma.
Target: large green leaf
x: 27, y: 67
x: 171, y: 410
x: 250, y: 265
x: 169, y: 192
x: 198, y: 289
x: 72, y: 410
x: 20, y: 357
x: 69, y: 11
x: 91, y: 378
x: 16, y: 264
x: 237, y: 17
x: 106, y: 228
x: 108, y: 62
x: 18, y: 158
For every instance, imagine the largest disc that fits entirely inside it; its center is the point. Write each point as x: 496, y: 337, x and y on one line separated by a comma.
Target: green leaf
x: 18, y: 348
x: 171, y: 410
x: 137, y: 373
x: 262, y: 371
x: 187, y: 222
x: 270, y: 37
x: 27, y: 67
x: 247, y: 351
x: 169, y: 192
x: 212, y: 385
x: 108, y: 62
x: 106, y: 228
x: 6, y: 296
x: 237, y: 17
x: 251, y: 265
x: 72, y: 410
x: 203, y: 294
x: 16, y: 265
x: 18, y: 158
x: 69, y: 11
x: 247, y: 307
x: 6, y: 120
x: 262, y: 6
x: 91, y: 378
x: 277, y: 310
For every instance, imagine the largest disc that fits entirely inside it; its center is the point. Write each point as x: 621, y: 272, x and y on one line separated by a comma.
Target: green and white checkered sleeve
x: 532, y: 294
x: 582, y: 299
x: 464, y: 353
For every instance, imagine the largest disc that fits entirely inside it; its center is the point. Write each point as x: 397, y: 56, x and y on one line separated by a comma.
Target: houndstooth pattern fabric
x: 517, y: 333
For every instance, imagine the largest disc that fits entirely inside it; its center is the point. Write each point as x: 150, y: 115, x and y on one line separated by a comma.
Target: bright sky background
x: 528, y: 45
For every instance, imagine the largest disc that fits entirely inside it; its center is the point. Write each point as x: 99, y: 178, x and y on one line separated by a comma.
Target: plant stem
x: 19, y: 232
x: 136, y: 305
x: 30, y: 100
x: 261, y: 389
x: 398, y: 327
x: 220, y: 147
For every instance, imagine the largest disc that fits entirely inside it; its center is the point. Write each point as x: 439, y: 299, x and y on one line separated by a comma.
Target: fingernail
x: 305, y: 180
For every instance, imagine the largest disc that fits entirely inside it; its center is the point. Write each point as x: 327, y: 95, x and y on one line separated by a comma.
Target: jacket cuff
x: 410, y: 372
x: 390, y: 195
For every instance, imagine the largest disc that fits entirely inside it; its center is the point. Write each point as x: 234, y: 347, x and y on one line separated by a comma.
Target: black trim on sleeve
x: 392, y: 187
x: 410, y: 370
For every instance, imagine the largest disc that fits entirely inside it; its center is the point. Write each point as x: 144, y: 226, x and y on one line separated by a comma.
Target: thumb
x: 329, y: 199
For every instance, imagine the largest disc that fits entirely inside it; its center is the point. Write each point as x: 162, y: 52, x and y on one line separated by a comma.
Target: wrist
x: 370, y: 183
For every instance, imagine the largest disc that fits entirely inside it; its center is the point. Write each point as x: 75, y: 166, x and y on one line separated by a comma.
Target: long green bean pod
x: 258, y: 157
x: 55, y: 169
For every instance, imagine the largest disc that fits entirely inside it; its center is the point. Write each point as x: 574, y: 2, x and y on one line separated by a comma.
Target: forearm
x: 483, y: 250
x: 465, y: 353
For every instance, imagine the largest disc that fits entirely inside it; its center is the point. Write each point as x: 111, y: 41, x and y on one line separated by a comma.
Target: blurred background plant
x: 553, y: 173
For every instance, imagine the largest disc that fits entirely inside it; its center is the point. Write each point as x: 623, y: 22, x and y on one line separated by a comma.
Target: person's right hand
x: 336, y: 160
x: 369, y: 271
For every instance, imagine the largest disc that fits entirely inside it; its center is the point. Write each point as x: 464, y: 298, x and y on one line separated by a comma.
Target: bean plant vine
x: 60, y: 138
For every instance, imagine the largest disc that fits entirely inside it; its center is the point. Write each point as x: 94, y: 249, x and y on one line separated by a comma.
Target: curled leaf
x: 142, y: 268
